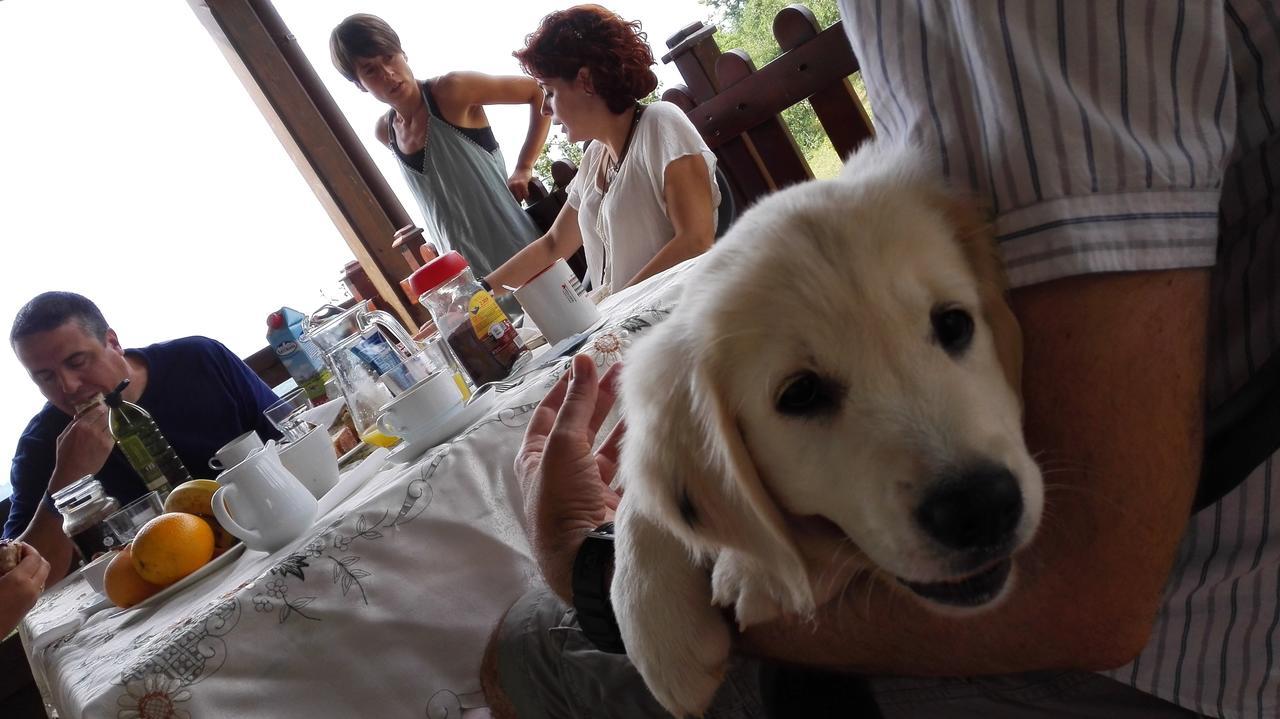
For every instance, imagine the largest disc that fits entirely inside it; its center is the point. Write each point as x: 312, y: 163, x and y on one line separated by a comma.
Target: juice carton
x: 299, y: 356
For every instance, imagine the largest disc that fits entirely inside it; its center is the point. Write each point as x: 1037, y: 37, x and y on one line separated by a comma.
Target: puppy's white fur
x: 841, y: 278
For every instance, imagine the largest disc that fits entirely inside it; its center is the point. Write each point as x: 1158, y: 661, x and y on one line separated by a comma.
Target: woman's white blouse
x: 624, y: 227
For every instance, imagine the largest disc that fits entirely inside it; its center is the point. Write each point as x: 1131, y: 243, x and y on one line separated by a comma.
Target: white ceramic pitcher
x: 262, y: 503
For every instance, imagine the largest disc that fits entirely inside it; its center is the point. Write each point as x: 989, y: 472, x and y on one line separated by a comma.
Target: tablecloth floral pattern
x: 383, y: 609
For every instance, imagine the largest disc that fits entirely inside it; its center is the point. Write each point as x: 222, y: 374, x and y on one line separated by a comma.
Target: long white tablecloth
x: 383, y: 609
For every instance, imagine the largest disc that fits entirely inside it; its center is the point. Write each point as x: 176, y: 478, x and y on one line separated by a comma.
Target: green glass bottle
x: 146, y: 449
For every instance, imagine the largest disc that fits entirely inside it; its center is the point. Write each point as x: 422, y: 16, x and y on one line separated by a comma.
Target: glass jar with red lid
x: 476, y: 329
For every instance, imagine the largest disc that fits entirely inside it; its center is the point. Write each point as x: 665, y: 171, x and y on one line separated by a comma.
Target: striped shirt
x: 1120, y: 135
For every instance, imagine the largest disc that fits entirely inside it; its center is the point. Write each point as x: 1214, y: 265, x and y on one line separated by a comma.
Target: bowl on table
x: 94, y: 572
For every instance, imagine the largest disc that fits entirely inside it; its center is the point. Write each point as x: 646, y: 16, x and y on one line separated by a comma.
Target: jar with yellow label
x: 476, y: 329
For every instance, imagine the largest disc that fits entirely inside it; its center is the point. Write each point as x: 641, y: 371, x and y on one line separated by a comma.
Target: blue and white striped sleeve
x: 1098, y: 132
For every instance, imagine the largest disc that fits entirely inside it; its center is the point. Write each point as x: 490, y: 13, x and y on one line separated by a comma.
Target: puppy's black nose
x: 975, y: 509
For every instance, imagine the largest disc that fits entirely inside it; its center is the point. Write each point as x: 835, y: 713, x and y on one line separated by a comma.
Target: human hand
x: 566, y: 484
x: 83, y: 447
x: 20, y: 588
x: 518, y: 183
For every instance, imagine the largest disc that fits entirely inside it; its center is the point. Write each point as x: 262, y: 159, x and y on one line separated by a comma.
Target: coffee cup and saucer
x: 428, y: 414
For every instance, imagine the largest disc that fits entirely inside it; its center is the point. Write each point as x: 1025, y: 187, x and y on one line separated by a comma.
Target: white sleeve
x: 670, y: 136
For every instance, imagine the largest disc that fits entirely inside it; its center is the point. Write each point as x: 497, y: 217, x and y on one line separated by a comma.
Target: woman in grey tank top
x: 446, y: 150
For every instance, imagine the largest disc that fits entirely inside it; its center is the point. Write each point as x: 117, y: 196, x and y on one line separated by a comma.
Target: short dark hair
x: 614, y: 51
x: 361, y: 35
x: 50, y: 310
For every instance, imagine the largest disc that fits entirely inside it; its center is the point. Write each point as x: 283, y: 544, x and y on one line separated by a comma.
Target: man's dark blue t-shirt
x: 201, y: 397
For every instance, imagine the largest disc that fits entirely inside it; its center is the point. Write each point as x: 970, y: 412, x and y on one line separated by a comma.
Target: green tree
x: 557, y: 147
x: 748, y: 25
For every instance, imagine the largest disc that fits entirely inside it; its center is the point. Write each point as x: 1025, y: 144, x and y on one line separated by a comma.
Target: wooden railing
x: 737, y: 107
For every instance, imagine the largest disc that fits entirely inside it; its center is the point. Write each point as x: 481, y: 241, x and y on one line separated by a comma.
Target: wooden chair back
x: 736, y: 107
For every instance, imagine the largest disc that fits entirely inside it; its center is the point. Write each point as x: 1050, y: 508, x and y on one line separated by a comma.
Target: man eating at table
x: 200, y: 395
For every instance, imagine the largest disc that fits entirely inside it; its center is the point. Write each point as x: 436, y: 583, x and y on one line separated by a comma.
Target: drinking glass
x: 125, y: 523
x: 434, y: 356
x: 413, y: 369
x: 286, y: 414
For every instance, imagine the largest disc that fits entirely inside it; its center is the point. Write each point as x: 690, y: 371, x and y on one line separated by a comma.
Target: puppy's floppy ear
x: 739, y: 511
x: 699, y: 476
x: 974, y: 233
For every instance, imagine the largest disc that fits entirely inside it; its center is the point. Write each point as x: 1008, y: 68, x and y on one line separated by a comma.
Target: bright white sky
x: 134, y: 168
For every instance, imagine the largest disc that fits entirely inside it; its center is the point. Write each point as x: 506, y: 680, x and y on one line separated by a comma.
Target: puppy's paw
x: 684, y: 661
x: 755, y: 595
x: 675, y: 637
x: 735, y: 585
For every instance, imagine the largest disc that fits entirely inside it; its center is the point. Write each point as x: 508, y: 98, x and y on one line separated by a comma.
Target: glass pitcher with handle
x: 358, y: 345
x: 331, y: 324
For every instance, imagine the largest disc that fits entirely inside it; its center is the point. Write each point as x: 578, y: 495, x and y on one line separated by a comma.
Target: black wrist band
x: 485, y: 284
x: 591, y: 590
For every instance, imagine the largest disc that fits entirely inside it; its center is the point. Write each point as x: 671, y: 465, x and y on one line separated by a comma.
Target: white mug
x: 312, y: 460
x: 420, y: 405
x: 262, y: 503
x: 557, y: 304
x: 235, y: 451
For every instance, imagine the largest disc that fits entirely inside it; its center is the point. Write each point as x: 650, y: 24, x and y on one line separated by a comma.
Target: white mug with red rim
x: 557, y: 304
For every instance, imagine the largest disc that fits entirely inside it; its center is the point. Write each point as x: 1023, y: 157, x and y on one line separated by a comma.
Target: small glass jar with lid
x: 476, y: 329
x: 85, y: 506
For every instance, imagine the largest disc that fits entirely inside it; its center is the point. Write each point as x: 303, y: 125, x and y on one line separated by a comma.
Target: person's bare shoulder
x: 462, y: 94
x: 448, y: 85
x: 382, y: 130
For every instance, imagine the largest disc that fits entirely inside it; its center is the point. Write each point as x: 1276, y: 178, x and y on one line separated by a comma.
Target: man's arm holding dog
x: 1113, y: 374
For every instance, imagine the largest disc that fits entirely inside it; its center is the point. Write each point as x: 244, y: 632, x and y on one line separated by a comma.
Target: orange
x: 172, y: 546
x: 121, y: 581
x: 196, y: 497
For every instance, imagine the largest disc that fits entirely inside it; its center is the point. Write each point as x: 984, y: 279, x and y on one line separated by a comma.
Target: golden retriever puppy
x: 845, y: 352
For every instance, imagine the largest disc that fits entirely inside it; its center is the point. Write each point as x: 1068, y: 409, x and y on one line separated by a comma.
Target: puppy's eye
x: 952, y: 328
x: 807, y: 394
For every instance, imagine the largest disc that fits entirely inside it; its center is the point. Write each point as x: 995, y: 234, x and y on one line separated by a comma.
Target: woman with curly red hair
x: 645, y: 197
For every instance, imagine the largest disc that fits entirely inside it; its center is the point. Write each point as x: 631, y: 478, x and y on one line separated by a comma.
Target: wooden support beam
x: 317, y: 137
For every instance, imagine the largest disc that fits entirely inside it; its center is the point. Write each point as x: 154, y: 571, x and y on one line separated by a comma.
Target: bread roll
x: 89, y: 404
x: 10, y: 555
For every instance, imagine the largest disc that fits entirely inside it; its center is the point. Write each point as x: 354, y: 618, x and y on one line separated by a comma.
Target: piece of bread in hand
x: 10, y: 554
x: 89, y: 404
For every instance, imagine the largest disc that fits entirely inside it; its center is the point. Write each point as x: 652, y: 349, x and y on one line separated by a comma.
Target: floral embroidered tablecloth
x: 383, y: 609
